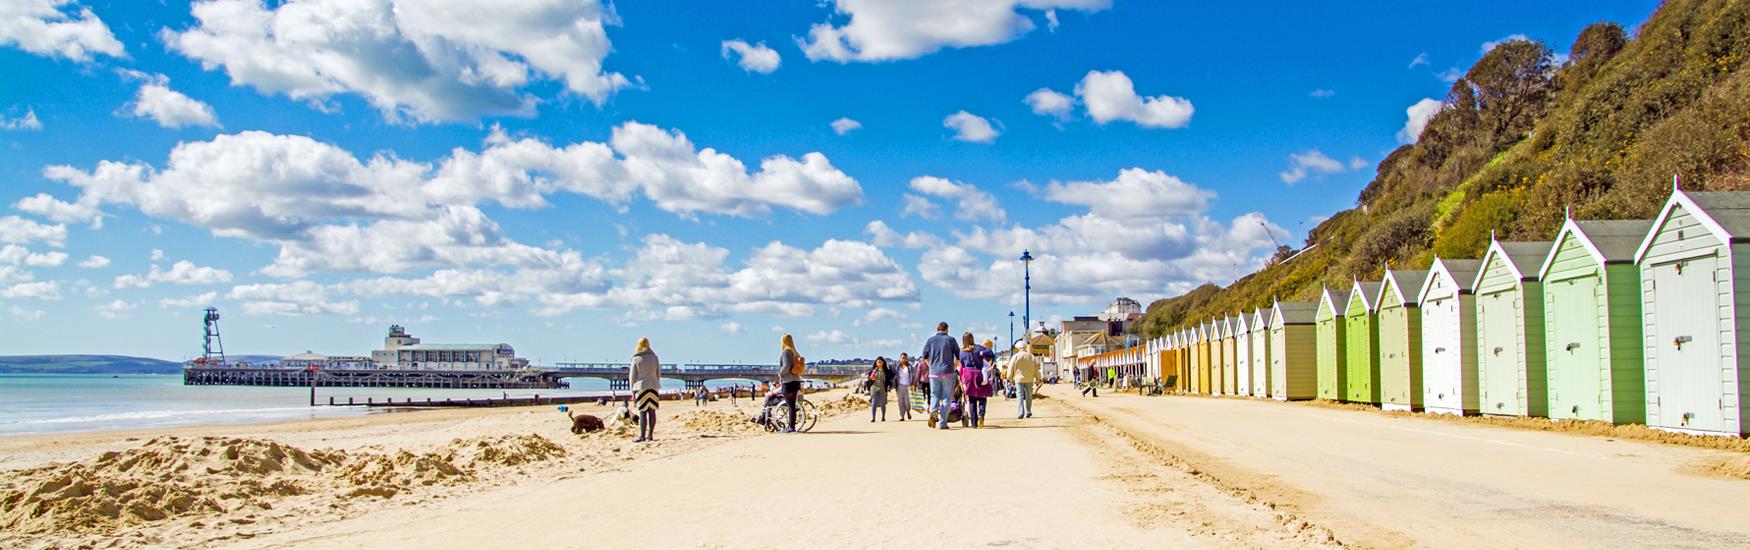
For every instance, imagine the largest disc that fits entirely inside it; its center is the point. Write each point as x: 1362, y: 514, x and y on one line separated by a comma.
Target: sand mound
x: 717, y: 423
x: 169, y: 477
x: 851, y: 402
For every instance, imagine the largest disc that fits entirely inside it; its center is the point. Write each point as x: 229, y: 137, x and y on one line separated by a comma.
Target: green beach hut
x: 1361, y: 344
x: 1592, y: 322
x: 1332, y: 375
x: 1293, y: 351
x: 1449, y: 337
x: 1400, y: 340
x: 1692, y: 296
x: 1511, y: 379
x: 1243, y: 354
x: 1260, y: 326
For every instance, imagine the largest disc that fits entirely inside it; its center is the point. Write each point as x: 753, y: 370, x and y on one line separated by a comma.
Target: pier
x: 692, y: 376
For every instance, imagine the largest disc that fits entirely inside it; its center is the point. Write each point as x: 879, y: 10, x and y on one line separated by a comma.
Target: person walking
x: 940, y: 350
x: 972, y: 363
x: 902, y: 381
x: 880, y: 377
x: 791, y: 365
x: 1024, y: 375
x: 645, y: 375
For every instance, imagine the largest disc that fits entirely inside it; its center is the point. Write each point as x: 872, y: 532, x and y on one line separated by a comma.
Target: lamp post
x: 1027, y: 282
x: 1012, y: 330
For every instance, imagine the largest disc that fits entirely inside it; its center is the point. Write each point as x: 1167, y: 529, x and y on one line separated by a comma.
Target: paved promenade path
x: 1392, y: 482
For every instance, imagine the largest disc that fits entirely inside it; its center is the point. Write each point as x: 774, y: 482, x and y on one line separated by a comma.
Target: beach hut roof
x: 1725, y: 214
x: 1242, y: 323
x: 1328, y: 299
x: 1524, y: 258
x: 1462, y: 273
x: 1609, y: 241
x: 1402, y: 279
x: 1260, y: 319
x: 1369, y: 295
x: 1298, y: 313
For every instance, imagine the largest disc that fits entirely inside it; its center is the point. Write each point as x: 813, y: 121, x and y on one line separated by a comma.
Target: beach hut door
x: 1446, y: 359
x: 1688, y: 339
x: 1579, y: 384
x: 1499, y: 354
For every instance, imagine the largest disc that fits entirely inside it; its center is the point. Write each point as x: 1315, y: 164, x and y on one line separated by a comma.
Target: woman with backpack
x: 880, y: 377
x: 790, y: 368
x: 978, y: 391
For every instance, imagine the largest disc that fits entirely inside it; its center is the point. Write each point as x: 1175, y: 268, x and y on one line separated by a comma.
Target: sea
x: 39, y: 403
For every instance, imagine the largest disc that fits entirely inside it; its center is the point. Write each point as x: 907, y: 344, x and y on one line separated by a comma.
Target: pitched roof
x: 1404, y: 279
x: 1608, y: 241
x: 1464, y: 272
x: 1725, y: 214
x: 1526, y: 257
x: 1369, y: 295
x: 1298, y: 313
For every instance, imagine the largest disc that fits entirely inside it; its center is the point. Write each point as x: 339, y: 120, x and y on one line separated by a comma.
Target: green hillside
x: 86, y: 364
x: 1520, y: 139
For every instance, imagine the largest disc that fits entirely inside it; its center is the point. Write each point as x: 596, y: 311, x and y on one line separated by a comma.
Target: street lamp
x: 1027, y: 274
x: 1012, y: 330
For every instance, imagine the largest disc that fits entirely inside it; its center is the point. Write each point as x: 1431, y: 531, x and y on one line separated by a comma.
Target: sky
x: 567, y: 175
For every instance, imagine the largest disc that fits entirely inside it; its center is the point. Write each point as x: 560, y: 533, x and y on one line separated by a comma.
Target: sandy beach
x: 1121, y: 471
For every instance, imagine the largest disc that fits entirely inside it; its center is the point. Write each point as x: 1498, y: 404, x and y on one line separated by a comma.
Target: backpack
x: 800, y: 365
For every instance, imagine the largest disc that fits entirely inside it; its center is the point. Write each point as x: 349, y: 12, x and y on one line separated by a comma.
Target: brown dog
x: 582, y: 423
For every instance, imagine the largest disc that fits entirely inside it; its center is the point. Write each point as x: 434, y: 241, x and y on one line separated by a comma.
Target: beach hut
x: 1226, y: 326
x: 1217, y: 357
x: 1511, y: 380
x: 1293, y: 351
x: 1205, y: 358
x: 1449, y: 337
x: 1400, y: 340
x: 1692, y: 295
x: 1242, y: 354
x: 1592, y: 322
x: 1332, y: 375
x: 1361, y: 343
x: 1260, y: 352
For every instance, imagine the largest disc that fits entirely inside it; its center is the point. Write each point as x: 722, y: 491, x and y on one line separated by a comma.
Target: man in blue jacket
x: 942, y: 352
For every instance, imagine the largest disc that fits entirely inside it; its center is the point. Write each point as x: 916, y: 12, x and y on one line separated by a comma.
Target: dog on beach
x: 584, y: 423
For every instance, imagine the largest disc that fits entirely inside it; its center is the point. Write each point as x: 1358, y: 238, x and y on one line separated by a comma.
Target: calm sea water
x: 35, y: 403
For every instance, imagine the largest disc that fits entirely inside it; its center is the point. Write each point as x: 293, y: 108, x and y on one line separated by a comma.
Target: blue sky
x: 574, y: 176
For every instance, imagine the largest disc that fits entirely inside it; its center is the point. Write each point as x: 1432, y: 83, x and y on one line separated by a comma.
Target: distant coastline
x: 99, y: 364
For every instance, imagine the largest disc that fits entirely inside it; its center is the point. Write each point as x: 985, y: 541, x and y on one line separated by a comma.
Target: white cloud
x: 1417, y: 117
x: 27, y: 121
x: 16, y: 230
x: 53, y: 28
x: 1450, y: 75
x: 157, y: 255
x: 834, y: 336
x: 413, y: 60
x: 1145, y: 234
x: 13, y: 254
x: 1490, y: 45
x: 116, y: 309
x: 1134, y: 194
x: 198, y: 300
x: 731, y: 327
x: 844, y: 126
x: 22, y: 314
x: 295, y: 298
x: 880, y: 30
x: 1421, y: 59
x: 877, y: 315
x: 970, y: 127
x: 1322, y: 93
x: 1357, y: 163
x: 752, y: 57
x: 1049, y: 102
x: 328, y: 210
x: 1309, y: 162
x: 170, y: 108
x: 970, y: 202
x: 1110, y: 95
x: 41, y: 290
x: 94, y: 262
x: 42, y: 204
x: 184, y: 272
x: 885, y: 237
x: 131, y: 281
x: 918, y: 206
